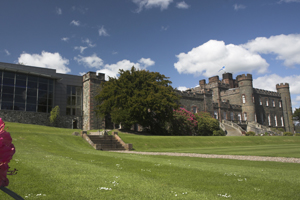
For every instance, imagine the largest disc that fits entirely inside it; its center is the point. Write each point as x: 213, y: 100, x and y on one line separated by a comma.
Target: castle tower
x: 91, y: 87
x: 284, y: 91
x: 246, y: 95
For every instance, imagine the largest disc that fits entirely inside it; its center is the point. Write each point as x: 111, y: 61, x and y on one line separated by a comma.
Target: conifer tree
x: 138, y: 96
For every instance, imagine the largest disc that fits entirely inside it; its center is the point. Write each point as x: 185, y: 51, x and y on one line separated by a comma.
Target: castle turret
x: 284, y: 91
x: 91, y: 85
x: 246, y: 95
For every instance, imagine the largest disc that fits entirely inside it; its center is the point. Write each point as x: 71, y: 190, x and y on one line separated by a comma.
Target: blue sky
x: 185, y: 40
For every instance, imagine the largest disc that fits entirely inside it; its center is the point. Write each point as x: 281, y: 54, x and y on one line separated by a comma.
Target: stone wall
x: 38, y: 118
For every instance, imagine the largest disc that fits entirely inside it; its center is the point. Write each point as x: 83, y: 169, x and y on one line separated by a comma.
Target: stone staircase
x: 106, y: 142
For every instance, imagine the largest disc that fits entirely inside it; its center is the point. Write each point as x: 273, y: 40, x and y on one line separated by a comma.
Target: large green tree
x: 296, y: 114
x: 138, y: 96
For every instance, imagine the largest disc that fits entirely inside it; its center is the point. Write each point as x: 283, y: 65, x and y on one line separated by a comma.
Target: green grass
x: 57, y: 165
x: 274, y: 146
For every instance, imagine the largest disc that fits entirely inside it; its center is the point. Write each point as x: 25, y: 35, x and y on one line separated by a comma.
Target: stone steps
x: 106, y: 142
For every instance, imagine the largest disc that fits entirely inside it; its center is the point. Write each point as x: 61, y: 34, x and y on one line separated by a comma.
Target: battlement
x: 188, y: 94
x: 282, y: 85
x: 266, y: 92
x: 93, y: 75
x: 213, y: 79
x: 244, y: 77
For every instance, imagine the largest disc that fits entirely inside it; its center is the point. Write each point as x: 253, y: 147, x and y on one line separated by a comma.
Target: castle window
x: 269, y: 119
x: 262, y: 118
x: 239, y: 117
x: 273, y: 102
x: 194, y: 109
x: 245, y: 116
x: 216, y: 114
x: 231, y: 116
x: 73, y: 100
x: 275, y: 120
x: 255, y: 118
x: 282, y: 123
x: 253, y: 99
x: 267, y: 102
x: 260, y: 102
x: 224, y: 115
x: 243, y: 98
x: 279, y: 103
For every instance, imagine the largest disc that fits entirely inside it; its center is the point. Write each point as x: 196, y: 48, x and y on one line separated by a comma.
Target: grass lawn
x: 53, y: 164
x: 274, y: 146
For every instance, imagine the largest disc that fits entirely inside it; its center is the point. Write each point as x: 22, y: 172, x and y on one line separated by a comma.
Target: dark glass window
x: 7, y: 105
x: 73, y: 100
x: 8, y: 90
x: 31, y: 100
x: 20, y: 98
x: 9, y: 75
x: 19, y: 106
x: 43, y: 86
x: 21, y: 83
x: 9, y: 82
x: 32, y: 85
x: 25, y: 92
x: 31, y: 107
x: 20, y: 91
x: 8, y: 97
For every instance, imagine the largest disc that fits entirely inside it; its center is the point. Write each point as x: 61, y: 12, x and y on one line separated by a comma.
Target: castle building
x: 27, y: 95
x: 236, y: 100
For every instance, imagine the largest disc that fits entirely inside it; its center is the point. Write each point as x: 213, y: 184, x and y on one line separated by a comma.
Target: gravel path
x: 236, y: 157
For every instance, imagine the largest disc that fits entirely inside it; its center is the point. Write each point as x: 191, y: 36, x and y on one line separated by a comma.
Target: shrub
x: 206, y: 124
x: 54, y: 114
x: 266, y: 134
x: 183, y: 123
x: 250, y: 133
x: 287, y: 134
x: 219, y: 133
x: 297, y: 134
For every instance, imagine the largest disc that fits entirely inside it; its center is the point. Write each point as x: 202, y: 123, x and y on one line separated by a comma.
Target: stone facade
x: 231, y: 99
x: 237, y: 100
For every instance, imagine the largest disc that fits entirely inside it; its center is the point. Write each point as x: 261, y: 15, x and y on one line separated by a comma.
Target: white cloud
x: 289, y: 1
x: 7, y: 52
x: 102, y: 32
x: 82, y: 73
x: 182, y: 5
x: 146, y: 62
x: 298, y: 98
x: 163, y: 4
x: 75, y: 23
x: 164, y: 28
x: 182, y: 88
x: 58, y: 11
x: 89, y: 42
x: 286, y: 47
x: 239, y: 6
x: 113, y: 69
x: 268, y: 82
x: 65, y: 39
x: 46, y: 60
x: 80, y: 48
x: 92, y: 61
x: 208, y: 58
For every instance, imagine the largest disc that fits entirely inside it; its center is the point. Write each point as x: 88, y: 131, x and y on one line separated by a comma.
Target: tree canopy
x: 296, y: 114
x: 138, y: 96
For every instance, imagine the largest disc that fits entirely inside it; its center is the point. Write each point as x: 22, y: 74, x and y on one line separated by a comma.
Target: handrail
x: 234, y: 125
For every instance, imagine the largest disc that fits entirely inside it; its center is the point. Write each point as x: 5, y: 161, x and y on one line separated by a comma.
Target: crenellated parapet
x: 187, y: 94
x: 244, y: 77
x: 266, y: 92
x: 282, y: 85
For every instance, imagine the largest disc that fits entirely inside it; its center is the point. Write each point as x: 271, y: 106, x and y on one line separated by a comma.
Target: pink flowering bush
x: 183, y: 123
x: 7, y: 150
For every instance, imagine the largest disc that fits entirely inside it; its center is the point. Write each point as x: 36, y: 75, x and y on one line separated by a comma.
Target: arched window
x: 245, y: 116
x: 243, y: 98
x: 275, y: 119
